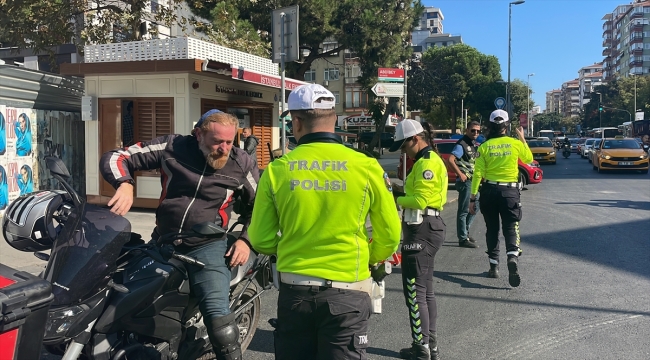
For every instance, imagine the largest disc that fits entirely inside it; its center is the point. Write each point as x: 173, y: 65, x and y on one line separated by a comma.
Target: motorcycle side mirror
x: 57, y: 167
x: 208, y: 229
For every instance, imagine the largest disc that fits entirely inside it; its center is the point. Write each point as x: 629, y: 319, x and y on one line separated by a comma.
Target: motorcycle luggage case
x: 24, y: 302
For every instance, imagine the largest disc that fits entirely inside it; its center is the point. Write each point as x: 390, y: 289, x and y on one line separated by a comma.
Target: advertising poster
x: 18, y: 161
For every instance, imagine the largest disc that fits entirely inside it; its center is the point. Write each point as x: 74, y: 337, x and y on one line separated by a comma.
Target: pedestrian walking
x: 462, y: 160
x: 311, y: 210
x: 497, y: 164
x: 422, y: 199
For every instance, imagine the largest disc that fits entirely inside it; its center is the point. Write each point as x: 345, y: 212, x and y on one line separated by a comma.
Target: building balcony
x: 636, y: 13
x: 607, y: 42
x: 636, y: 49
x: 607, y: 51
x: 636, y: 39
x: 637, y: 26
x: 636, y: 61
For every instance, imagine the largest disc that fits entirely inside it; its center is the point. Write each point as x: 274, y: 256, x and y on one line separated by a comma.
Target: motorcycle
x: 117, y: 297
x: 566, y: 151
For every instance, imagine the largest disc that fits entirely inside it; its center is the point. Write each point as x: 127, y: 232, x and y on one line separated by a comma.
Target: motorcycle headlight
x: 59, y: 321
x: 606, y: 157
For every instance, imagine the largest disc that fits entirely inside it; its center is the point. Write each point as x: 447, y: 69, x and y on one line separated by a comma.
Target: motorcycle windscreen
x: 82, y: 261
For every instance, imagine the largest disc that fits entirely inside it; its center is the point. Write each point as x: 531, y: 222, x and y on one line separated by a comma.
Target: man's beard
x: 215, y: 159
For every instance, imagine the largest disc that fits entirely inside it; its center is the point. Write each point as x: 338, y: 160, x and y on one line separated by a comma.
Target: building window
x: 355, y: 98
x: 310, y: 76
x: 337, y: 96
x: 430, y: 22
x: 331, y: 74
x: 434, y: 30
x: 329, y: 46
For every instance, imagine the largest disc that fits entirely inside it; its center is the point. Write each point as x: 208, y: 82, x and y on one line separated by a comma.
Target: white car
x: 586, y: 148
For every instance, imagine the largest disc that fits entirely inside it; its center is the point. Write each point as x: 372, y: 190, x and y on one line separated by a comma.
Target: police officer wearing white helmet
x: 424, y: 195
x: 497, y: 164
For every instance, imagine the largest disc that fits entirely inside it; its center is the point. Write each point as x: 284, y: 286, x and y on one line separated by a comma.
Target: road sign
x: 500, y: 102
x: 388, y: 90
x: 290, y: 21
x: 391, y: 74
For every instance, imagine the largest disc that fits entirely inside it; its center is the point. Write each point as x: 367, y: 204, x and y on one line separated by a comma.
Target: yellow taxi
x: 620, y: 153
x: 542, y: 149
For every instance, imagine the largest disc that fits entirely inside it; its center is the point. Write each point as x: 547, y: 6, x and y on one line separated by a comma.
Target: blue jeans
x: 463, y: 217
x: 211, y: 285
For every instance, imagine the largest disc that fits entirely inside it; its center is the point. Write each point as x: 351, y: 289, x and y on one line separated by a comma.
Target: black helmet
x: 28, y: 223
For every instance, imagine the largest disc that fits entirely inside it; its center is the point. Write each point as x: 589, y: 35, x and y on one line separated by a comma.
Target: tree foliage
x: 618, y: 99
x: 450, y: 74
x: 41, y: 25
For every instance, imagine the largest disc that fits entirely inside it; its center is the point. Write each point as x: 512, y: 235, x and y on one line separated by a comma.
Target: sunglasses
x: 475, y: 131
x: 406, y: 141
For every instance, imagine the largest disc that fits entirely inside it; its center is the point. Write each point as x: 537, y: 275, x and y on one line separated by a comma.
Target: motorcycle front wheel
x: 249, y: 318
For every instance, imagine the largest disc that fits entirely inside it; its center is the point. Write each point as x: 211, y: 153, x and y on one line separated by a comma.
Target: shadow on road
x: 623, y: 204
x: 456, y: 278
x: 382, y: 352
x: 262, y: 341
x: 624, y: 246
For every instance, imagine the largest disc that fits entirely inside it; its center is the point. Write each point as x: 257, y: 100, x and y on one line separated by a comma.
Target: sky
x: 552, y: 39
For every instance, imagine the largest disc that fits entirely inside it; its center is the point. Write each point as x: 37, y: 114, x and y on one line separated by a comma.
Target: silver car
x: 586, y: 148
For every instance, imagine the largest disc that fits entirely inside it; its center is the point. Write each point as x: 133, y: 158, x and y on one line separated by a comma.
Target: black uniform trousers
x: 419, y: 247
x: 499, y: 202
x: 321, y: 323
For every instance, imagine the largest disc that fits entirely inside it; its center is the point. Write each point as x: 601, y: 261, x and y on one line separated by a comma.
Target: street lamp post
x: 634, y: 74
x: 600, y: 104
x: 508, y: 104
x: 530, y: 122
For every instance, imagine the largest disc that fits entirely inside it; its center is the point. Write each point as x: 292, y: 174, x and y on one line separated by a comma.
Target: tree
x: 618, y: 100
x: 370, y: 27
x: 548, y: 121
x: 519, y: 95
x: 450, y: 74
x: 42, y: 25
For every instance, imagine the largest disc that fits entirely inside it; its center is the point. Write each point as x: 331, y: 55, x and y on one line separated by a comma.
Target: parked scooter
x: 115, y: 296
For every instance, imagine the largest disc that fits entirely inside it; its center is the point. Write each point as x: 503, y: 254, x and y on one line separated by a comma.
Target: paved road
x: 585, y: 271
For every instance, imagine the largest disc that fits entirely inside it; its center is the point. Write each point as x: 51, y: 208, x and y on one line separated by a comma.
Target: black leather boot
x: 412, y: 354
x: 494, y: 271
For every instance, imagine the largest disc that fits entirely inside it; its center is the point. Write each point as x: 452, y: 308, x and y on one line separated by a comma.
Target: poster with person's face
x: 20, y: 178
x: 4, y: 189
x: 3, y: 135
x: 20, y: 127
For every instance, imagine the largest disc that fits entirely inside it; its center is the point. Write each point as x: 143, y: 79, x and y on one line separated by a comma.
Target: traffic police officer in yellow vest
x: 497, y: 164
x: 311, y: 209
x: 425, y: 194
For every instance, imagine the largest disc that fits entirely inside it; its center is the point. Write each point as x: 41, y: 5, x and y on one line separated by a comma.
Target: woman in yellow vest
x: 424, y: 195
x: 497, y: 164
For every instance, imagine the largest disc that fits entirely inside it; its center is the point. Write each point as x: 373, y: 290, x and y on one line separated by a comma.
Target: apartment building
x: 430, y: 24
x: 553, y: 101
x: 570, y: 98
x: 589, y: 77
x: 626, y: 40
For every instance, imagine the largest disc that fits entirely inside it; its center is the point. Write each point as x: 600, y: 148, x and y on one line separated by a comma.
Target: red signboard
x: 264, y: 79
x: 391, y: 73
x: 523, y: 120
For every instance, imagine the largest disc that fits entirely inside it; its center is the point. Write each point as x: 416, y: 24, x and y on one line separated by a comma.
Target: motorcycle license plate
x: 625, y: 163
